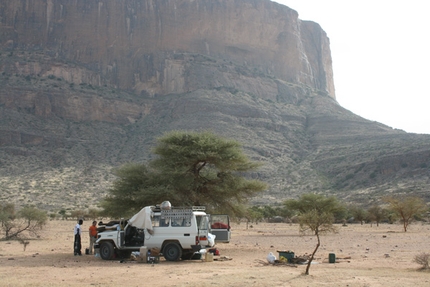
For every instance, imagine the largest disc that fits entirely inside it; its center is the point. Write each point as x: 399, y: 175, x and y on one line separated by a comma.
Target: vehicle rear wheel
x: 106, y: 250
x: 172, y: 251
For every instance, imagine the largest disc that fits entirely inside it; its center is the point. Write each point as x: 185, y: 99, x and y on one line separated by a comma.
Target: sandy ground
x: 379, y: 256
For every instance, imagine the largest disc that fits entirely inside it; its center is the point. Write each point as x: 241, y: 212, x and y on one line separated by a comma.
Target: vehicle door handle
x: 186, y: 234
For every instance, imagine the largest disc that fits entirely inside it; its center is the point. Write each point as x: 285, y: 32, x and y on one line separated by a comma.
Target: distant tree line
x: 91, y: 214
x: 392, y: 209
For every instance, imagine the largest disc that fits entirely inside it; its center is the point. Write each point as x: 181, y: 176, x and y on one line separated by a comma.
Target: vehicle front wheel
x: 106, y: 250
x: 172, y: 251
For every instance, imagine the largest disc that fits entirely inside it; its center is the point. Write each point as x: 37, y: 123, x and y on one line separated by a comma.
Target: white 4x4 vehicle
x: 177, y: 232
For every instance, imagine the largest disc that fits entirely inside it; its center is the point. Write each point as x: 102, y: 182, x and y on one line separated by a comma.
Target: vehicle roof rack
x: 199, y: 208
x: 188, y: 208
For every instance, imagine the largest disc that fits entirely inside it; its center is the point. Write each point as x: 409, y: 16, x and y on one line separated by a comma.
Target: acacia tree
x: 316, y: 214
x: 26, y: 222
x: 407, y: 208
x: 191, y: 168
x: 377, y: 214
x: 359, y: 214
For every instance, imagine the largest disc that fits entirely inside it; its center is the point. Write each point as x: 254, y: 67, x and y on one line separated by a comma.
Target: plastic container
x: 289, y: 255
x: 331, y: 258
x: 209, y: 257
x: 143, y: 254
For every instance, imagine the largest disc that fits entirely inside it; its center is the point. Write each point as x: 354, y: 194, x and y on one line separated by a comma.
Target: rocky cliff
x: 89, y: 85
x: 132, y: 44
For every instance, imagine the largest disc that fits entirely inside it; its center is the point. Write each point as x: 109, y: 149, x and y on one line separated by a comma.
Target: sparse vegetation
x: 423, y: 259
x: 77, y: 214
x: 21, y: 224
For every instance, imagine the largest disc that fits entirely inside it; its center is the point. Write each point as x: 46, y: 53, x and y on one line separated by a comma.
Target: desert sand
x: 366, y: 256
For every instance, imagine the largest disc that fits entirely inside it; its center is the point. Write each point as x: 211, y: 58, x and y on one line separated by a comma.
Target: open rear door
x: 220, y: 225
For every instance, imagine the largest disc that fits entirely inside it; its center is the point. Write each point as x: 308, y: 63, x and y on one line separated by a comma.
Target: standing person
x: 77, y: 243
x: 93, y: 236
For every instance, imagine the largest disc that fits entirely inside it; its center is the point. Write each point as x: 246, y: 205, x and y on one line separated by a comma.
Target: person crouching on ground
x: 77, y: 243
x: 93, y: 236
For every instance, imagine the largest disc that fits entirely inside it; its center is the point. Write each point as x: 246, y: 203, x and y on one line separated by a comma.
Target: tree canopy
x: 359, y: 213
x: 130, y: 192
x: 191, y: 168
x: 377, y: 213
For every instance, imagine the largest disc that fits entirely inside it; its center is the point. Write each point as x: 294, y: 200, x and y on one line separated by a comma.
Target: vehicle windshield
x: 202, y: 222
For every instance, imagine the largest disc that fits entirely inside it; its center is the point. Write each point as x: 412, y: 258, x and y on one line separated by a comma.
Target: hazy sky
x: 381, y: 57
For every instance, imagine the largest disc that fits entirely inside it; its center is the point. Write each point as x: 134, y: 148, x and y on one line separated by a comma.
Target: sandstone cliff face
x: 131, y: 44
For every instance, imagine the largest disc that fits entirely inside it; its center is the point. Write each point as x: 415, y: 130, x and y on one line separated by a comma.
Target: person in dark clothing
x: 77, y: 242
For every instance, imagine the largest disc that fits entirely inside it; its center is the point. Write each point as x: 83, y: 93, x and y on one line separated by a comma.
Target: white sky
x: 381, y: 57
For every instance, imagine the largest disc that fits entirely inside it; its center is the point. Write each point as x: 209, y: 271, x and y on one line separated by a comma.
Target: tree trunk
x: 313, y: 253
x: 405, y: 224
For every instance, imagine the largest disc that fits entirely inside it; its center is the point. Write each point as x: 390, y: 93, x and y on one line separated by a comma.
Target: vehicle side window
x: 202, y: 222
x: 164, y: 222
x: 156, y: 221
x: 181, y: 222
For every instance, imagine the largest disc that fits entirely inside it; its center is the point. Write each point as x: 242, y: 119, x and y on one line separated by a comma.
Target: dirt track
x: 379, y: 256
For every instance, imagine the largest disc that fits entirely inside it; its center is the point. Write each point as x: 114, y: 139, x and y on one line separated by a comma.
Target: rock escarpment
x: 132, y: 44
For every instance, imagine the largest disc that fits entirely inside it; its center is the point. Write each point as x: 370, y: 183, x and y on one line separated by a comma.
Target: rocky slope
x: 88, y: 85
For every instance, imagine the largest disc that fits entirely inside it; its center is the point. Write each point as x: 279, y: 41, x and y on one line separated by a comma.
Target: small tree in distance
x: 359, y: 214
x: 316, y: 214
x: 407, y: 208
x: 376, y: 214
